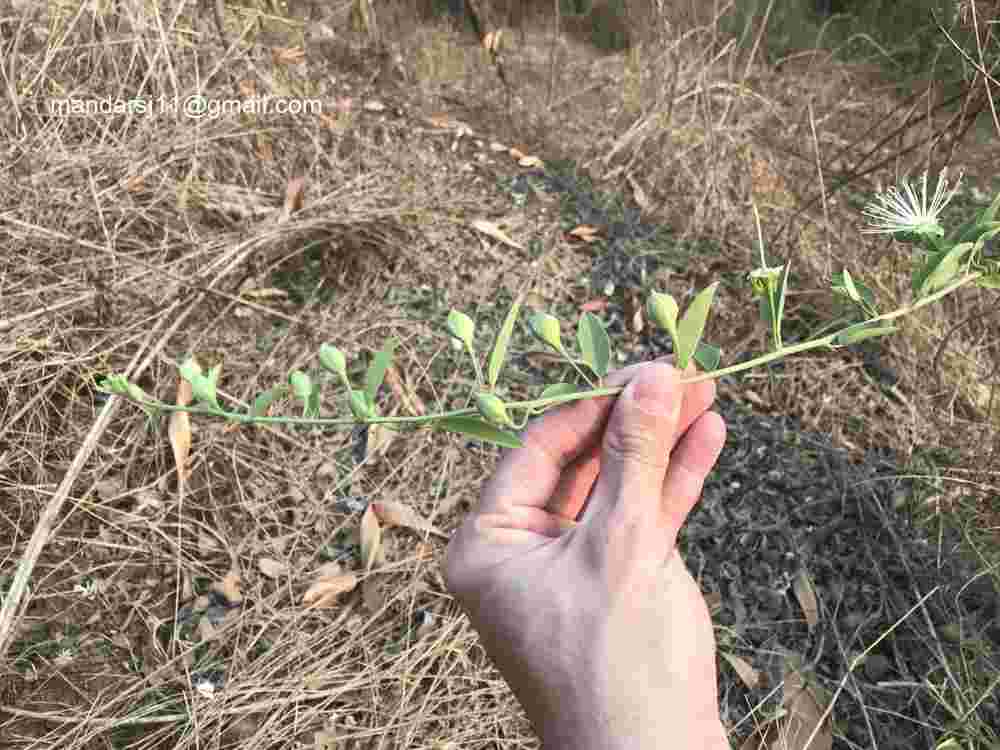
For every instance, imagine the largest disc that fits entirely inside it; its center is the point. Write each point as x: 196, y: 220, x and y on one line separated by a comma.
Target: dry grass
x: 131, y: 242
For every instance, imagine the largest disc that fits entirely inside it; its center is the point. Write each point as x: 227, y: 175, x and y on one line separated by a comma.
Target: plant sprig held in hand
x: 941, y: 265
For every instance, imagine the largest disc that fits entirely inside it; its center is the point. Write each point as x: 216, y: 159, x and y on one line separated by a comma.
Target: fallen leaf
x: 402, y: 391
x: 265, y: 293
x: 135, y: 183
x: 804, y: 592
x: 392, y: 513
x: 287, y: 55
x: 594, y: 305
x: 328, y: 570
x: 264, y: 150
x: 749, y: 675
x: 179, y: 430
x: 491, y: 41
x: 380, y: 438
x: 530, y: 161
x: 713, y: 600
x: 497, y: 147
x: 371, y: 538
x: 585, y: 232
x: 271, y: 568
x: 324, y: 740
x: 516, y: 153
x: 229, y: 587
x: 373, y: 594
x: 294, y: 192
x: 639, y: 194
x: 247, y: 88
x: 323, y: 593
x: 491, y: 229
x: 791, y: 731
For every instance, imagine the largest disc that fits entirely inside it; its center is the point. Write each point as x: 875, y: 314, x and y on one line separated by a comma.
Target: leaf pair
x: 362, y: 403
x: 203, y: 386
x: 687, y: 332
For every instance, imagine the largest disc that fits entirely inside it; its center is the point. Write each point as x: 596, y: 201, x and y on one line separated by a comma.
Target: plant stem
x: 825, y: 341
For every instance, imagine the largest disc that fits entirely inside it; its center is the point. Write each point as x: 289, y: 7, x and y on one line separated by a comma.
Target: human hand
x: 596, y: 624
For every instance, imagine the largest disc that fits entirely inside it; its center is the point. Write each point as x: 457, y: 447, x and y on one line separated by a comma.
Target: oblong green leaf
x: 480, y: 429
x: 852, y: 291
x: 594, y: 343
x: 707, y: 356
x: 783, y: 290
x: 546, y: 329
x: 940, y: 269
x: 376, y: 370
x: 662, y: 309
x: 858, y: 333
x: 558, y: 389
x: 461, y: 327
x: 692, y: 325
x: 499, y: 354
x: 334, y: 360
x: 301, y: 385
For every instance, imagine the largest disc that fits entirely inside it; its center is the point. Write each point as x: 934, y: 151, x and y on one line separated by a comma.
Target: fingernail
x: 655, y: 391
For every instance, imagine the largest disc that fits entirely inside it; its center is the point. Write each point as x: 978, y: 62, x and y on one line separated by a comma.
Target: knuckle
x: 644, y: 447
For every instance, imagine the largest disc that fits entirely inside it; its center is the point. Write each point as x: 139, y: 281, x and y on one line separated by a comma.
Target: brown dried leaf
x: 287, y: 55
x: 229, y: 587
x: 639, y: 194
x: 804, y: 592
x: 392, y: 513
x: 294, y: 192
x: 247, y: 88
x: 272, y: 568
x: 324, y: 591
x: 791, y: 731
x: 749, y: 675
x: 179, y: 430
x: 401, y: 389
x: 371, y: 538
x: 265, y: 152
x: 517, y: 153
x: 585, y: 232
x: 492, y: 230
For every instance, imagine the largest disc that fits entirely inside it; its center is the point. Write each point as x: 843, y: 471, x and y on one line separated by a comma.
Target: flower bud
x: 663, y: 310
x: 360, y: 407
x: 765, y: 280
x: 461, y: 327
x: 333, y: 360
x: 545, y: 328
x: 493, y: 409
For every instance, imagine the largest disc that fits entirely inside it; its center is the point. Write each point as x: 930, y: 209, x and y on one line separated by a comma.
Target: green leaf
x: 262, y: 403
x: 852, y: 292
x: 594, y: 344
x: 839, y: 287
x: 361, y: 407
x: 301, y: 385
x: 662, y: 309
x: 692, y: 325
x: 461, y: 327
x: 334, y: 360
x: 499, y: 354
x: 558, y: 389
x: 546, y: 329
x: 190, y: 369
x: 708, y: 356
x: 989, y: 214
x: 311, y: 410
x: 939, y: 269
x: 990, y: 281
x: 480, y: 429
x: 376, y: 370
x: 860, y: 332
x: 782, y: 290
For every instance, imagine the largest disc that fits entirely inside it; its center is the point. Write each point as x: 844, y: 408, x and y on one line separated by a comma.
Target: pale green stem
x: 825, y: 341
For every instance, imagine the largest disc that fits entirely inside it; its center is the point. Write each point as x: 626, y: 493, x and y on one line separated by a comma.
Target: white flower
x: 896, y: 210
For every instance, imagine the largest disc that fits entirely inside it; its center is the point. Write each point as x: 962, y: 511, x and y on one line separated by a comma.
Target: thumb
x: 636, y: 448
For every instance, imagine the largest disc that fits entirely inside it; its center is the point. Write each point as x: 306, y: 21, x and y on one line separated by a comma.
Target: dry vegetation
x: 169, y: 615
